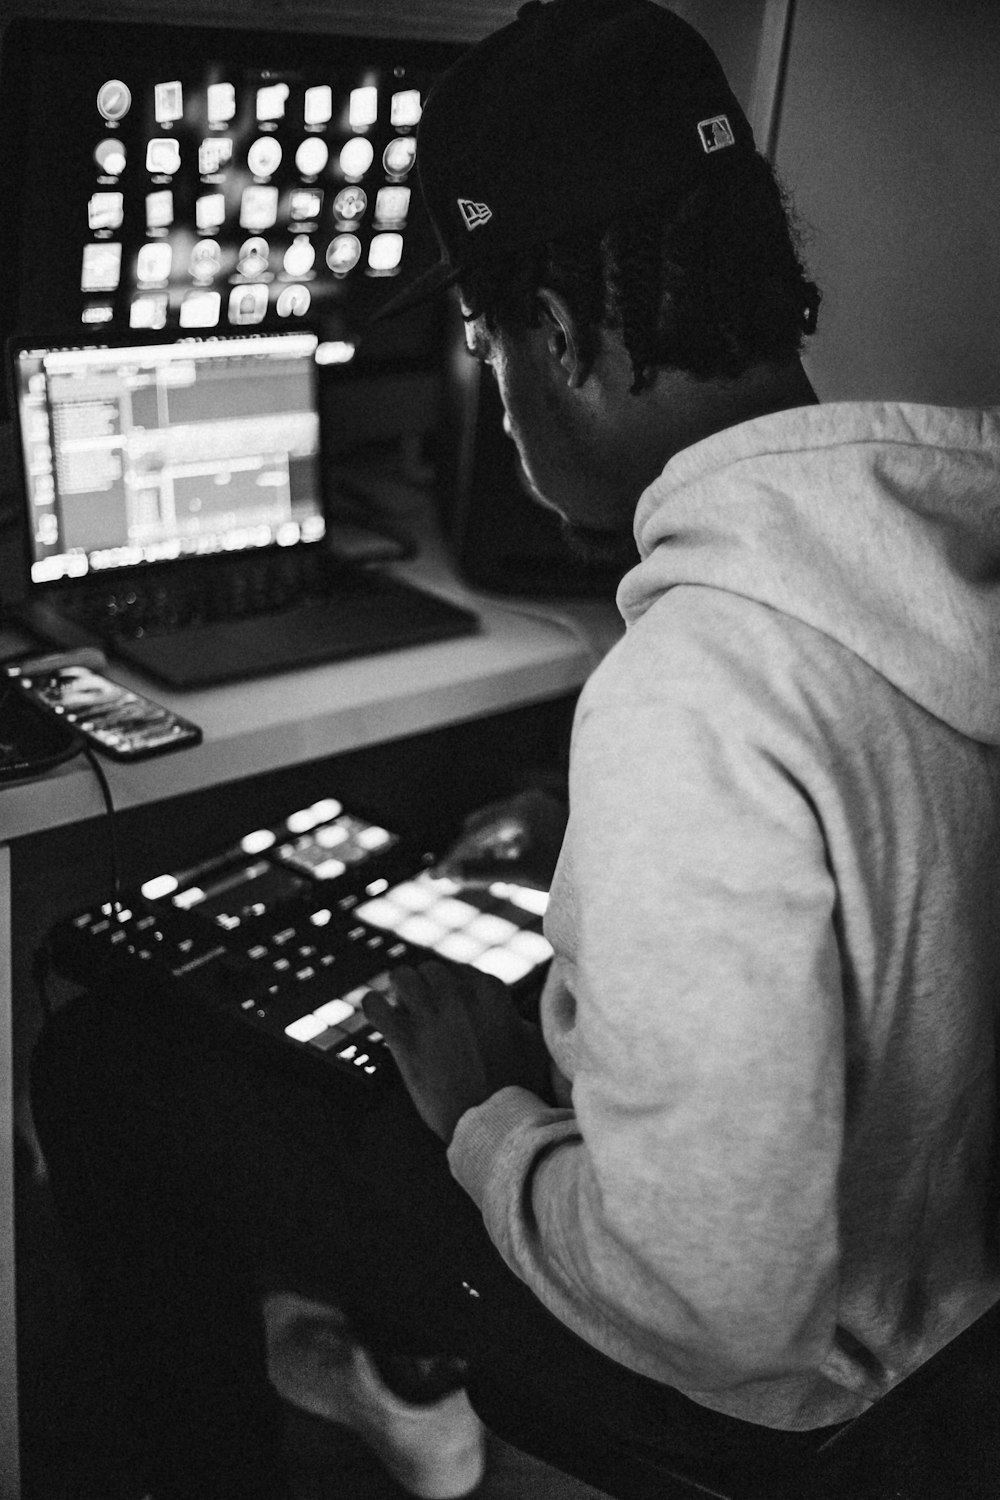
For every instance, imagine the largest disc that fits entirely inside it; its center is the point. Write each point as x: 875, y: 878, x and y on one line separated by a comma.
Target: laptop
x: 174, y: 511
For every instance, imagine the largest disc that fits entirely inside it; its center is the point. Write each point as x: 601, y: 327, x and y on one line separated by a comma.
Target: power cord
x: 41, y: 964
x: 98, y: 770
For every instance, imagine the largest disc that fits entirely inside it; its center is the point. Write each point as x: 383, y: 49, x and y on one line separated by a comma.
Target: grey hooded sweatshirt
x: 773, y: 1007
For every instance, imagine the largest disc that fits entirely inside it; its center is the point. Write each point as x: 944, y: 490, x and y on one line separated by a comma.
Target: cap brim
x: 419, y: 291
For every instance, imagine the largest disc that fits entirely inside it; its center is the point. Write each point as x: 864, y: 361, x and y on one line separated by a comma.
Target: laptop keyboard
x: 280, y: 937
x: 201, y: 595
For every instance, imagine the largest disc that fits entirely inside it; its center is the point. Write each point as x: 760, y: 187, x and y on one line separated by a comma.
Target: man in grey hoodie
x: 773, y: 999
x: 747, y: 1165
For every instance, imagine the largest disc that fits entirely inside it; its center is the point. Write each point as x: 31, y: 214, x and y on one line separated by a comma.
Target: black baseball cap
x: 569, y: 116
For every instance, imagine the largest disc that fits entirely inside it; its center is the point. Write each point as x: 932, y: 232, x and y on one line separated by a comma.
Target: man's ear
x: 567, y: 340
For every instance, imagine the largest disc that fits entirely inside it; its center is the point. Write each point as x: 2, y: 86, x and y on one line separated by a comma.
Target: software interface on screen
x: 245, y: 193
x: 175, y: 178
x: 149, y: 452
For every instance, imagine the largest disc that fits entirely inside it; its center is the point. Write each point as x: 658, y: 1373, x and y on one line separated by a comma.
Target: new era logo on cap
x: 716, y: 133
x: 474, y: 214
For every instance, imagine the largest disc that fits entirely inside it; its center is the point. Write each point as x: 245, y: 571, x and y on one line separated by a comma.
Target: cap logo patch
x: 474, y: 214
x: 716, y: 134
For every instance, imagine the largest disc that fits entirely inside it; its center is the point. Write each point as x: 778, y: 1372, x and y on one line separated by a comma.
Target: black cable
x: 116, y: 883
x: 41, y: 965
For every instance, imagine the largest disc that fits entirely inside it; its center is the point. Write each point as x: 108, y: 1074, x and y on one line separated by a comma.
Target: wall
x: 890, y: 140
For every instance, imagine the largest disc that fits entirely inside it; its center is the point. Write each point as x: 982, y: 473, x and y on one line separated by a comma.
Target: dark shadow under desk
x: 420, y: 735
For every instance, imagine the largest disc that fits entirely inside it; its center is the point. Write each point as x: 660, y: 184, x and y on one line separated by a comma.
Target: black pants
x: 192, y: 1176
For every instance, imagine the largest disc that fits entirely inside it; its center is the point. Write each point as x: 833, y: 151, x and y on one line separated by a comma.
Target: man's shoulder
x: 691, y: 631
x: 709, y: 654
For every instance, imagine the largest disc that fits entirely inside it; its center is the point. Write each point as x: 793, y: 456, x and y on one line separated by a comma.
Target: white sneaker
x: 435, y: 1451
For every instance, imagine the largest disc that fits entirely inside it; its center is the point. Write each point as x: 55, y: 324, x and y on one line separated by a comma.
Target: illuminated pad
x: 334, y: 1022
x: 496, y: 931
x: 305, y: 1028
x: 524, y: 896
x: 326, y: 849
x: 503, y: 964
x: 382, y: 913
x: 334, y: 1012
x: 532, y: 946
x: 451, y: 912
x: 416, y: 895
x: 460, y: 947
x: 493, y: 932
x: 421, y: 929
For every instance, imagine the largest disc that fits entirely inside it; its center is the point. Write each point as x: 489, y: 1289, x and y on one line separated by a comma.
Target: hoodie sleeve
x: 682, y: 1215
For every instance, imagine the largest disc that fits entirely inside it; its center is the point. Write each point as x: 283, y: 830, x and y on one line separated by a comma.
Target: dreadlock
x: 715, y: 289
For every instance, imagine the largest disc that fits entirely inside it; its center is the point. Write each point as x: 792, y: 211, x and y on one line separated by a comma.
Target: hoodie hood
x: 876, y: 523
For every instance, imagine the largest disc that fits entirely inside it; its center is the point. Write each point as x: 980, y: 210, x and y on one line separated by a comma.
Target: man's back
x: 774, y: 920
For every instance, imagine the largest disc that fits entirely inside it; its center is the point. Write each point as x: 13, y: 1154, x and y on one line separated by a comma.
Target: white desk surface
x: 526, y: 652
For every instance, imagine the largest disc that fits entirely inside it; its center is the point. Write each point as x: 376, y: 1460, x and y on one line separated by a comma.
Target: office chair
x: 935, y: 1436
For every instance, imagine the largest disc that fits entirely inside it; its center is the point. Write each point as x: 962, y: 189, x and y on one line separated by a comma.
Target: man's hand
x: 456, y: 1038
x: 517, y: 840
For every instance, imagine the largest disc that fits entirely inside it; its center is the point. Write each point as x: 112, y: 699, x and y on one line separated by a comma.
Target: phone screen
x: 118, y: 720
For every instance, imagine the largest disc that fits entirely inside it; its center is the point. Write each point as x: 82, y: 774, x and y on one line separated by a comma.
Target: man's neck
x: 792, y: 387
x: 686, y: 410
x: 758, y: 393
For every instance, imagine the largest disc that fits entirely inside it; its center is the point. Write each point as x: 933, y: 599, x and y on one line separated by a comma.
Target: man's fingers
x: 402, y: 997
x: 417, y: 989
x: 381, y: 1009
x: 407, y: 995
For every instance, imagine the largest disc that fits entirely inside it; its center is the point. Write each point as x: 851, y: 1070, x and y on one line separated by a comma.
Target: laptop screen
x: 149, y: 451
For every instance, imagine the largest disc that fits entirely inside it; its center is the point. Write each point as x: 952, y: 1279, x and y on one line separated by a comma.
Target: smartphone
x: 114, y: 719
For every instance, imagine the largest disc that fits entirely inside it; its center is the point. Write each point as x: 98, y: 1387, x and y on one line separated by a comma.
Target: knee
x: 307, y: 1345
x: 75, y: 1066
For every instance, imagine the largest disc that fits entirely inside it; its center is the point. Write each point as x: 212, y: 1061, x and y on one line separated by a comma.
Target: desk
x: 527, y: 653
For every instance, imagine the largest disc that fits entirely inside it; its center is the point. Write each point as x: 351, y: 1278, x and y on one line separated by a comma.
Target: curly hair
x: 716, y: 287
